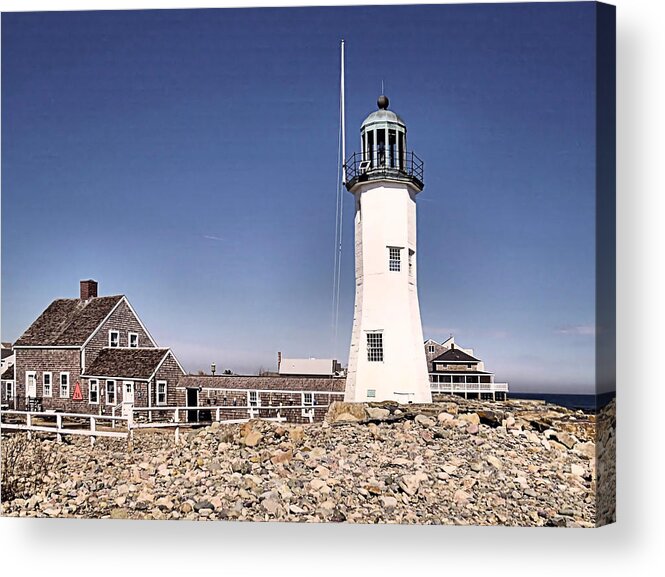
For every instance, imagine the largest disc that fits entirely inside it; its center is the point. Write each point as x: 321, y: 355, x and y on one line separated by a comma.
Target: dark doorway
x: 192, y: 401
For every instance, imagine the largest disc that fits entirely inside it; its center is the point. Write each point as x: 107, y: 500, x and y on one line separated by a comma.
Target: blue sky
x: 187, y: 159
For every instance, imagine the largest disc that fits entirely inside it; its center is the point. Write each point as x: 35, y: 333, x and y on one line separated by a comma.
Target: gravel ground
x: 453, y: 462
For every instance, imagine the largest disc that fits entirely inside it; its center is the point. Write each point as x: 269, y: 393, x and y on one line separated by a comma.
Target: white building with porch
x: 454, y: 370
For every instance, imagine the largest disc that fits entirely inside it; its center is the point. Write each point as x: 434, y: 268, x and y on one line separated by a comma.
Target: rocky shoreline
x: 520, y: 463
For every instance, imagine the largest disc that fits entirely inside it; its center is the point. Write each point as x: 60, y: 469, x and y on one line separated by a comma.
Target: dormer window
x: 133, y: 340
x: 114, y: 339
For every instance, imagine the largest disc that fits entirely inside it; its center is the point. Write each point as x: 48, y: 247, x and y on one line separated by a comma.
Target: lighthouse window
x: 394, y: 263
x: 375, y: 347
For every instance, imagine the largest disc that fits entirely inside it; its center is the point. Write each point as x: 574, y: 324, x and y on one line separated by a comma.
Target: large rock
x: 252, y: 438
x: 341, y: 411
x: 377, y: 413
x: 471, y: 418
x: 565, y: 439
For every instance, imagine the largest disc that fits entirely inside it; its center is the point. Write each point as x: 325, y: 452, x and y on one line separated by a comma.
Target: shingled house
x: 89, y: 355
x: 454, y: 370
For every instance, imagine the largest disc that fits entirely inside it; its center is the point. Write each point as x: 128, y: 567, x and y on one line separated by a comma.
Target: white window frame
x: 115, y: 392
x: 90, y: 389
x: 49, y: 384
x: 394, y: 259
x: 157, y: 394
x: 29, y: 374
x: 111, y: 333
x: 61, y: 384
x: 250, y: 403
x: 9, y: 389
x: 129, y: 340
x: 303, y: 401
x: 431, y: 349
x: 374, y: 353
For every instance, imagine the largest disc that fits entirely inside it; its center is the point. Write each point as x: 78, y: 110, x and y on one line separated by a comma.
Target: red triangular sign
x: 78, y: 396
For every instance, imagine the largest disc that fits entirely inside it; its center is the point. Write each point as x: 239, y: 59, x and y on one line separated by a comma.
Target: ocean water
x: 583, y: 402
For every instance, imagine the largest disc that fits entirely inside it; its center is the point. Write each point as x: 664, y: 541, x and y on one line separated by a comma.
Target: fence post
x: 217, y: 414
x: 28, y: 422
x: 58, y: 424
x: 93, y: 428
x: 251, y: 412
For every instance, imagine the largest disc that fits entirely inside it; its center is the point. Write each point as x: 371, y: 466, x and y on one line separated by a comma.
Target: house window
x: 9, y: 389
x: 371, y: 393
x: 64, y: 385
x: 394, y: 262
x: 375, y: 347
x: 48, y: 384
x: 161, y: 392
x: 133, y: 340
x: 253, y: 398
x: 114, y: 338
x: 307, y: 400
x: 431, y: 349
x: 110, y: 392
x: 94, y: 392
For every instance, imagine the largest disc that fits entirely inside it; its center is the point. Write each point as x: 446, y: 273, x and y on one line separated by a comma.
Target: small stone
x: 424, y: 421
x: 409, y: 484
x: 203, y: 504
x: 281, y: 457
x: 496, y: 463
x: 472, y: 429
x: 445, y: 418
x: 577, y: 470
x: 388, y: 502
x: 461, y: 497
x: 270, y: 506
x: 119, y: 514
x: 587, y: 450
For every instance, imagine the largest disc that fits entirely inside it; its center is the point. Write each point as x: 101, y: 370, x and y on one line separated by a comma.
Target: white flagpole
x: 343, y: 120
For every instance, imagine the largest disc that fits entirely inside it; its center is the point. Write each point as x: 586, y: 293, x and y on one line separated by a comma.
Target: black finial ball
x: 383, y: 102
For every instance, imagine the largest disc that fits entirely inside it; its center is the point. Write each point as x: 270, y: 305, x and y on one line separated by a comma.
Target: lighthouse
x: 387, y: 357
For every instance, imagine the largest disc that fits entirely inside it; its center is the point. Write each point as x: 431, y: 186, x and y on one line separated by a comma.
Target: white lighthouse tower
x: 387, y: 356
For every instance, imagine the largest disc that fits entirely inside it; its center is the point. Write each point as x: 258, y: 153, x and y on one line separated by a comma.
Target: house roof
x: 68, y: 322
x: 455, y: 356
x: 128, y: 363
x: 8, y: 375
x: 7, y: 353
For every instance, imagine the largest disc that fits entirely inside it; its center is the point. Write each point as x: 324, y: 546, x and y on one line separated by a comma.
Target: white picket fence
x: 63, y: 424
x: 88, y: 425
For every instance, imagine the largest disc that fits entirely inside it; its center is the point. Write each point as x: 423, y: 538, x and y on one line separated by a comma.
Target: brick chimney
x: 279, y: 360
x: 88, y: 289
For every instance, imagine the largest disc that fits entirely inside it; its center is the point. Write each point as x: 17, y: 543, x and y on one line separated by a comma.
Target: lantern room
x: 384, y: 153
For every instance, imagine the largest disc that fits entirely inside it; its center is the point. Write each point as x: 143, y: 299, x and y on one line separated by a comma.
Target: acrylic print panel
x: 361, y: 281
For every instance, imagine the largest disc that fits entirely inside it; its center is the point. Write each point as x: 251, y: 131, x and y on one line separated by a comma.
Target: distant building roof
x: 68, y: 322
x: 307, y: 367
x: 455, y: 356
x: 255, y: 382
x: 127, y: 363
x: 8, y: 375
x: 6, y: 353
